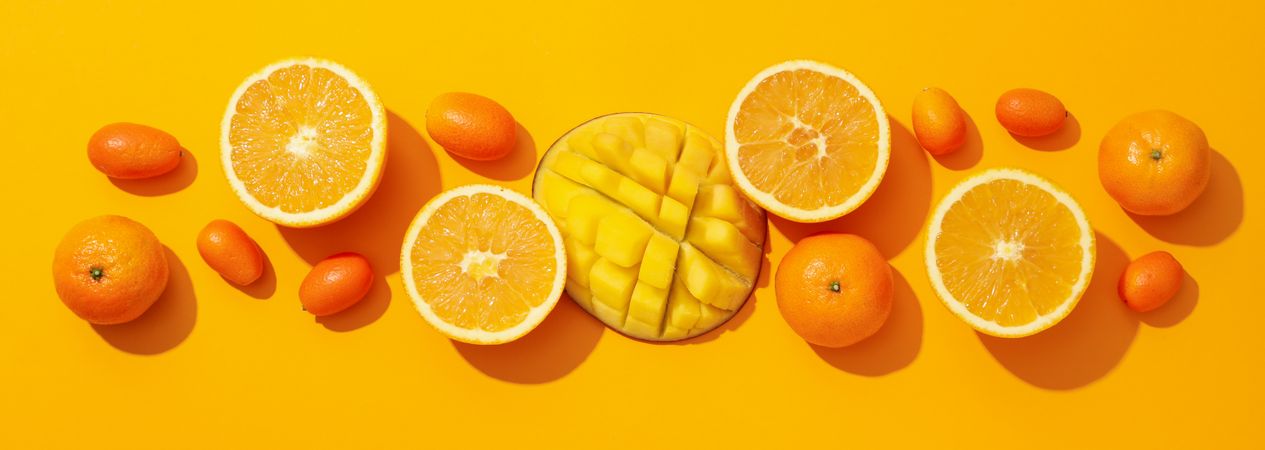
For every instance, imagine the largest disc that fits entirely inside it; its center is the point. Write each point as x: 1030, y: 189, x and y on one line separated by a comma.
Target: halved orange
x: 1009, y: 252
x: 807, y: 141
x: 483, y: 264
x: 303, y: 142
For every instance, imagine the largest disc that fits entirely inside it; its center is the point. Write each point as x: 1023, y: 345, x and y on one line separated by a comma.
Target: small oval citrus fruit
x: 471, y: 126
x: 1030, y: 113
x: 834, y: 289
x: 1150, y: 281
x: 132, y: 151
x: 335, y: 284
x: 109, y: 269
x: 939, y: 123
x: 232, y: 253
x: 1154, y: 163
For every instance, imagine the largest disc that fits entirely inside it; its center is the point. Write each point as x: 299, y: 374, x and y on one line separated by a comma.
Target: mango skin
x: 660, y: 245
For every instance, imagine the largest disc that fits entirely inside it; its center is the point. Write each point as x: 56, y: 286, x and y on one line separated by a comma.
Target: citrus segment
x: 1009, y: 252
x: 303, y: 142
x: 483, y: 264
x: 807, y: 141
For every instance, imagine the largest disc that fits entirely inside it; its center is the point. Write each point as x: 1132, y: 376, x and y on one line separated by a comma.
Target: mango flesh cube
x: 622, y: 238
x: 584, y: 214
x: 612, y: 284
x: 660, y: 245
x: 722, y: 242
x: 648, y: 304
x: 683, y: 308
x: 559, y: 191
x: 664, y: 139
x: 684, y: 186
x: 650, y: 170
x: 579, y: 294
x: 580, y: 259
x: 698, y: 153
x: 627, y: 128
x: 659, y: 263
x: 613, y: 151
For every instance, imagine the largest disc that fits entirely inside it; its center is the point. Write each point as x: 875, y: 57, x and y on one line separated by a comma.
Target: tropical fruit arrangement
x: 650, y: 224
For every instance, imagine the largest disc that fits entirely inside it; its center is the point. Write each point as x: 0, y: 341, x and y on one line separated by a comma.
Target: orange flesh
x: 508, y: 256
x: 301, y: 139
x: 1009, y: 251
x: 808, y: 139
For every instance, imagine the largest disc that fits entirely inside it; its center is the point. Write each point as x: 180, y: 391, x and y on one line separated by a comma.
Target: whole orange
x: 939, y: 123
x: 1150, y: 281
x: 834, y: 289
x: 231, y: 252
x: 336, y: 283
x: 109, y: 269
x: 131, y: 151
x: 471, y: 126
x: 1154, y: 163
x: 1030, y: 113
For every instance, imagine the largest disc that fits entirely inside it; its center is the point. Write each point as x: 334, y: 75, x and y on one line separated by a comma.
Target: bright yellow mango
x: 660, y: 245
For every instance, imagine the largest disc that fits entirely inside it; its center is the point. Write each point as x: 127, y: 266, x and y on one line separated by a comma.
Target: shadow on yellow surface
x: 168, y: 183
x: 265, y: 286
x: 377, y: 230
x: 1087, y: 344
x: 893, y: 347
x: 1212, y: 218
x: 364, y: 312
x: 166, y: 324
x: 971, y: 152
x: 555, y: 348
x: 894, y: 215
x: 1177, y: 309
x: 1063, y: 139
x: 519, y: 163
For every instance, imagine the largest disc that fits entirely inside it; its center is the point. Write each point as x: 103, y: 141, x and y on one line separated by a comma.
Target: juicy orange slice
x: 1009, y: 252
x: 807, y: 141
x: 303, y: 142
x: 483, y: 264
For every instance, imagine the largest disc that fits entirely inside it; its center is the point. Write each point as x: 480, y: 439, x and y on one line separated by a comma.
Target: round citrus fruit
x: 109, y: 269
x: 336, y: 283
x: 132, y: 151
x: 231, y: 252
x: 303, y: 142
x: 939, y: 123
x: 483, y: 264
x: 1030, y: 113
x: 1150, y: 281
x: 807, y: 141
x: 834, y: 289
x: 1154, y: 163
x: 471, y: 126
x: 1009, y: 252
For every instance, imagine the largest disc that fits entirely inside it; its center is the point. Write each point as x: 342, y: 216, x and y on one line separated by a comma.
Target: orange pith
x: 482, y: 262
x: 807, y: 138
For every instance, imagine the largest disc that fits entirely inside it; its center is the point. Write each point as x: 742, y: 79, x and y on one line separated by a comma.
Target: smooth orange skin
x: 1146, y: 186
x: 1150, y: 281
x: 471, y: 126
x: 131, y: 151
x: 818, y: 314
x: 1030, y: 113
x: 132, y: 263
x: 939, y: 123
x: 336, y: 283
x: 231, y: 252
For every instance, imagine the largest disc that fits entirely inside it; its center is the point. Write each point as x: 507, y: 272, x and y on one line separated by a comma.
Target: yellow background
x: 215, y: 366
